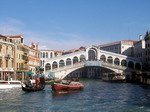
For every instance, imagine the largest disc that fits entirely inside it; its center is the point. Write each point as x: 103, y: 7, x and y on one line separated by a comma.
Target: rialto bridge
x: 63, y: 65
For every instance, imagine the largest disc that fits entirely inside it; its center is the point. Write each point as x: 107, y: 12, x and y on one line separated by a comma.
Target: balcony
x: 22, y: 69
x: 26, y: 60
x: 7, y: 56
x: 25, y: 53
x: 7, y: 69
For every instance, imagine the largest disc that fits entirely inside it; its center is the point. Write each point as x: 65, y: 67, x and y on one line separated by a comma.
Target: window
x: 51, y: 55
x: 12, y: 63
x: 0, y: 62
x: 43, y: 54
x: 21, y: 40
x: 0, y: 48
x: 46, y: 55
x: 6, y: 63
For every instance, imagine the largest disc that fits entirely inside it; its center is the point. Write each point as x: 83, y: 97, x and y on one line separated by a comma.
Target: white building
x: 47, y: 54
x: 139, y: 50
x: 124, y: 47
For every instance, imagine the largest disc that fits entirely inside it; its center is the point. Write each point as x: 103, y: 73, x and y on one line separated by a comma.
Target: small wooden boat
x: 67, y: 86
x: 33, y: 88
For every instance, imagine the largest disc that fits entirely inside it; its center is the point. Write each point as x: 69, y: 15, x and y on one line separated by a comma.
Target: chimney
x: 32, y: 45
x: 37, y: 46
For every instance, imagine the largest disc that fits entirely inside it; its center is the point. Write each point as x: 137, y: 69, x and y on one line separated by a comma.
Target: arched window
x: 43, y: 54
x: 92, y: 54
x: 46, y: 54
x: 75, y: 60
x: 117, y: 61
x: 54, y: 65
x: 124, y: 63
x: 61, y: 63
x: 51, y: 54
x: 82, y: 58
x: 103, y: 58
x: 68, y: 61
x: 109, y: 59
x: 47, y: 66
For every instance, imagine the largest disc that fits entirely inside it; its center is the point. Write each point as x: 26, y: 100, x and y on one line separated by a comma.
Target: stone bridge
x: 63, y: 65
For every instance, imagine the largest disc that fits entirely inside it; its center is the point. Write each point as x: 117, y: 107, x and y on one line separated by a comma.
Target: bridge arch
x: 61, y: 63
x: 124, y: 62
x: 103, y: 58
x: 91, y: 53
x: 68, y: 61
x: 48, y: 66
x: 82, y: 58
x: 110, y: 59
x: 75, y: 59
x: 54, y: 65
x: 117, y: 61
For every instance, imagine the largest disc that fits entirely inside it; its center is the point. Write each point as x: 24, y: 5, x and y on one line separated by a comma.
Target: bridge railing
x: 91, y: 63
x: 119, y: 67
x: 105, y: 64
x: 68, y: 67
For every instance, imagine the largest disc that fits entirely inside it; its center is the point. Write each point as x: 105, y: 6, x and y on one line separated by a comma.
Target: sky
x: 68, y: 24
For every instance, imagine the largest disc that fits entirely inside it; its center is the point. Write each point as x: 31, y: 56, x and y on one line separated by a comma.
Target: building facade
x: 139, y: 50
x: 47, y: 54
x: 7, y: 57
x: 21, y: 56
x: 33, y: 57
x: 124, y: 47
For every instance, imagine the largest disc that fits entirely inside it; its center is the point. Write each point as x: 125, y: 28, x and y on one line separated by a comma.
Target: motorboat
x: 10, y: 84
x: 66, y: 86
x: 113, y: 77
x: 32, y: 87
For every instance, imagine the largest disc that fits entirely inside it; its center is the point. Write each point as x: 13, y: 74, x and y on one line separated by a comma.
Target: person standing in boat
x: 37, y: 80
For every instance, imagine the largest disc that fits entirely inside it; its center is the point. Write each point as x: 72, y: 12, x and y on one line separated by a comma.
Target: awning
x: 29, y: 73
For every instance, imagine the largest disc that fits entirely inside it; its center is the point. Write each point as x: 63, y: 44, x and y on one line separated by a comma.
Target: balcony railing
x: 23, y: 68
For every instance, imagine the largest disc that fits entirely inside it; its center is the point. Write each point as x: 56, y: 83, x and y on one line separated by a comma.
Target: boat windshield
x: 5, y: 82
x: 14, y: 82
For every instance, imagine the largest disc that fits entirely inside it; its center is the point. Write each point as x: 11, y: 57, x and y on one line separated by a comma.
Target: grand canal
x: 98, y: 96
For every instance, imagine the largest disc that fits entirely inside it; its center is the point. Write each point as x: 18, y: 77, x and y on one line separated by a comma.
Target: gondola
x: 33, y: 89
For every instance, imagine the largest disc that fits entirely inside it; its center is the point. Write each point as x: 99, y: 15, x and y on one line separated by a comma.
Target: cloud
x: 56, y: 40
x: 11, y: 26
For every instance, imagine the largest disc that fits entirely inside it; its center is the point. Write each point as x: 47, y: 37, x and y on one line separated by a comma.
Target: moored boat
x: 113, y: 77
x: 67, y: 86
x: 10, y: 84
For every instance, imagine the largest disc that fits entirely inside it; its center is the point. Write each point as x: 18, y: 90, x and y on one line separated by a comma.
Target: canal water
x: 97, y: 96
